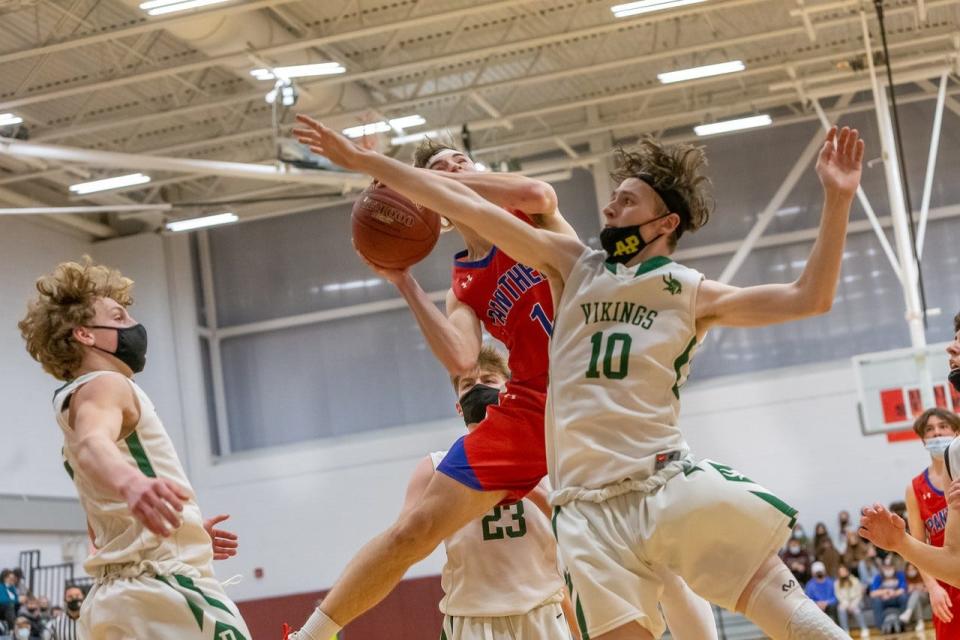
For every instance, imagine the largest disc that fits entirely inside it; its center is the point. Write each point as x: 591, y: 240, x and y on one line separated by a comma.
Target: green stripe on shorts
x: 581, y: 618
x: 194, y: 609
x: 779, y: 505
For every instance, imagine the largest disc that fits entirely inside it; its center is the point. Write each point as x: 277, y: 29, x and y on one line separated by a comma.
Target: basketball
x: 390, y: 230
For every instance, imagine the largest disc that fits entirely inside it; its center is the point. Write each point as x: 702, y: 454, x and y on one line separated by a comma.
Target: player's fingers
x: 832, y: 134
x: 168, y: 514
x: 152, y: 521
x: 842, y: 137
x: 858, y: 154
x: 220, y: 534
x: 168, y: 496
x: 307, y: 120
x: 215, y: 520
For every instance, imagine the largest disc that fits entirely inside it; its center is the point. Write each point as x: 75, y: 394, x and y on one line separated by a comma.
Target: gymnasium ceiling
x: 556, y: 79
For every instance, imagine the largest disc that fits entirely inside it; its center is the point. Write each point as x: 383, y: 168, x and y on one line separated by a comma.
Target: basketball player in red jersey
x: 927, y: 516
x: 504, y: 457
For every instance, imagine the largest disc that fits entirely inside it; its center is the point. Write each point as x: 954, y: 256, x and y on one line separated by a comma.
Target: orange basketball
x: 390, y: 230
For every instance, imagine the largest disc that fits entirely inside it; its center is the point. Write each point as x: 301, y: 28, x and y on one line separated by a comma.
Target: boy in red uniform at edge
x: 927, y: 518
x: 504, y: 457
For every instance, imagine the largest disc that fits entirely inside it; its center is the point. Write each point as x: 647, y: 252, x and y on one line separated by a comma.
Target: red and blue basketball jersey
x: 506, y: 452
x: 933, y: 510
x: 515, y: 305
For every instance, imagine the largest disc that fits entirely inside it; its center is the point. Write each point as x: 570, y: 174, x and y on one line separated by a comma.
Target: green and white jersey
x: 504, y: 564
x: 122, y: 542
x: 623, y: 339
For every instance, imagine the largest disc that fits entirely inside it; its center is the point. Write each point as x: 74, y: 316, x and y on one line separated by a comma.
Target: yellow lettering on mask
x: 627, y: 246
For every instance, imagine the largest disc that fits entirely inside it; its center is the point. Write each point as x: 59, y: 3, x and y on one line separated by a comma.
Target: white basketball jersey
x: 952, y: 457
x: 504, y: 564
x: 118, y: 536
x: 623, y: 338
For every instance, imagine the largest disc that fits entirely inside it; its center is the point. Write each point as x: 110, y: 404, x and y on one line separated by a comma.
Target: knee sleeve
x: 784, y: 612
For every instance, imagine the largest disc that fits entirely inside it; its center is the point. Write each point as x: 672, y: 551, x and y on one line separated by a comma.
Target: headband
x: 440, y: 155
x: 674, y: 201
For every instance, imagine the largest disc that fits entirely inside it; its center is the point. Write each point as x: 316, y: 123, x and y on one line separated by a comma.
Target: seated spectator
x: 22, y: 630
x: 819, y: 533
x: 801, y: 535
x: 820, y: 590
x: 797, y: 559
x: 855, y: 550
x: 31, y: 612
x: 918, y: 599
x: 869, y: 567
x: 65, y: 627
x: 45, y: 615
x: 849, y: 593
x: 888, y: 593
x: 827, y: 554
x: 843, y: 529
x: 9, y: 598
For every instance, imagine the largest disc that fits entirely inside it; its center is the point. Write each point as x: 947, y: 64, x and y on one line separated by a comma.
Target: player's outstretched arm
x: 455, y: 339
x: 888, y: 531
x: 839, y: 169
x: 513, y: 191
x: 96, y: 421
x: 422, y: 474
x: 552, y: 253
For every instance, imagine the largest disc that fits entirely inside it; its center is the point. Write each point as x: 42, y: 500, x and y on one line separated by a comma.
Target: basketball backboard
x: 896, y: 386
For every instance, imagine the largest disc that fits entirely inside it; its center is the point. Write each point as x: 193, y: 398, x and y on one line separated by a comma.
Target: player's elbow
x: 541, y: 198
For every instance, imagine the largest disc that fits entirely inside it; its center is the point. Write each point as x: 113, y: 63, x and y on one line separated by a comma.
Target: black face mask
x: 131, y: 345
x: 954, y: 378
x: 623, y: 243
x: 74, y: 605
x: 474, y: 403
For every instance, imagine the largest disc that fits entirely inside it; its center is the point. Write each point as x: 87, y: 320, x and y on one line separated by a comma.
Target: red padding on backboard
x: 902, y: 436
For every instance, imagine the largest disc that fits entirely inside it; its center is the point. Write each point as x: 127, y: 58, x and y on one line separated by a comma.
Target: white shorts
x: 543, y: 623
x: 168, y: 607
x: 710, y: 525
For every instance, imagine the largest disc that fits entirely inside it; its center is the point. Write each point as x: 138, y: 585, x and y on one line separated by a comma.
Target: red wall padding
x: 409, y: 613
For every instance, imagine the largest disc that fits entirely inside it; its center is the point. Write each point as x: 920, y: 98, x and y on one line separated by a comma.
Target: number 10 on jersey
x: 616, y: 355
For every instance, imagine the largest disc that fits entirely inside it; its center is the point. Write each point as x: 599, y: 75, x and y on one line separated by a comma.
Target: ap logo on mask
x: 628, y: 246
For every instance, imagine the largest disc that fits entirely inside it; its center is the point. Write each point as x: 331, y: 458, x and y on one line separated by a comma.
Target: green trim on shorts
x: 140, y: 455
x: 187, y: 583
x: 779, y: 505
x: 194, y: 609
x: 581, y: 618
x: 223, y: 631
x: 553, y: 522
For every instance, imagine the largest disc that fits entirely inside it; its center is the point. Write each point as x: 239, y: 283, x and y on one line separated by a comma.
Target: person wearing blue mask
x: 932, y: 545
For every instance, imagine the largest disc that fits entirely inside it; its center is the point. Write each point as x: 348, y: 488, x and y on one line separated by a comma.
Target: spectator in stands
x: 827, y: 554
x: 797, y: 559
x: 819, y: 533
x: 855, y: 550
x: 20, y: 585
x: 849, y: 592
x: 869, y: 567
x: 820, y: 590
x: 65, y: 627
x: 55, y: 612
x: 888, y: 593
x: 31, y: 612
x: 843, y: 529
x: 23, y: 630
x: 9, y: 598
x: 801, y: 535
x: 45, y: 614
x: 918, y: 599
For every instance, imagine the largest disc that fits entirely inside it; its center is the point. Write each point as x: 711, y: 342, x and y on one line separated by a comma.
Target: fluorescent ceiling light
x: 200, y: 223
x: 8, y: 119
x: 417, y: 137
x: 161, y: 7
x: 366, y: 129
x: 648, y: 6
x: 732, y: 125
x: 383, y: 126
x: 299, y: 71
x: 106, y: 184
x: 407, y: 121
x: 353, y: 284
x: 789, y: 211
x: 701, y: 72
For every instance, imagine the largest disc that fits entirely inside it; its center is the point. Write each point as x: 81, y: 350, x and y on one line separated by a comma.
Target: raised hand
x: 393, y: 276
x: 884, y: 529
x: 328, y: 143
x: 224, y: 542
x: 156, y: 502
x: 840, y: 163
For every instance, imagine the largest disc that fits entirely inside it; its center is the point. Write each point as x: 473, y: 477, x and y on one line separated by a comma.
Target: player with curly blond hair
x: 629, y: 497
x: 153, y: 551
